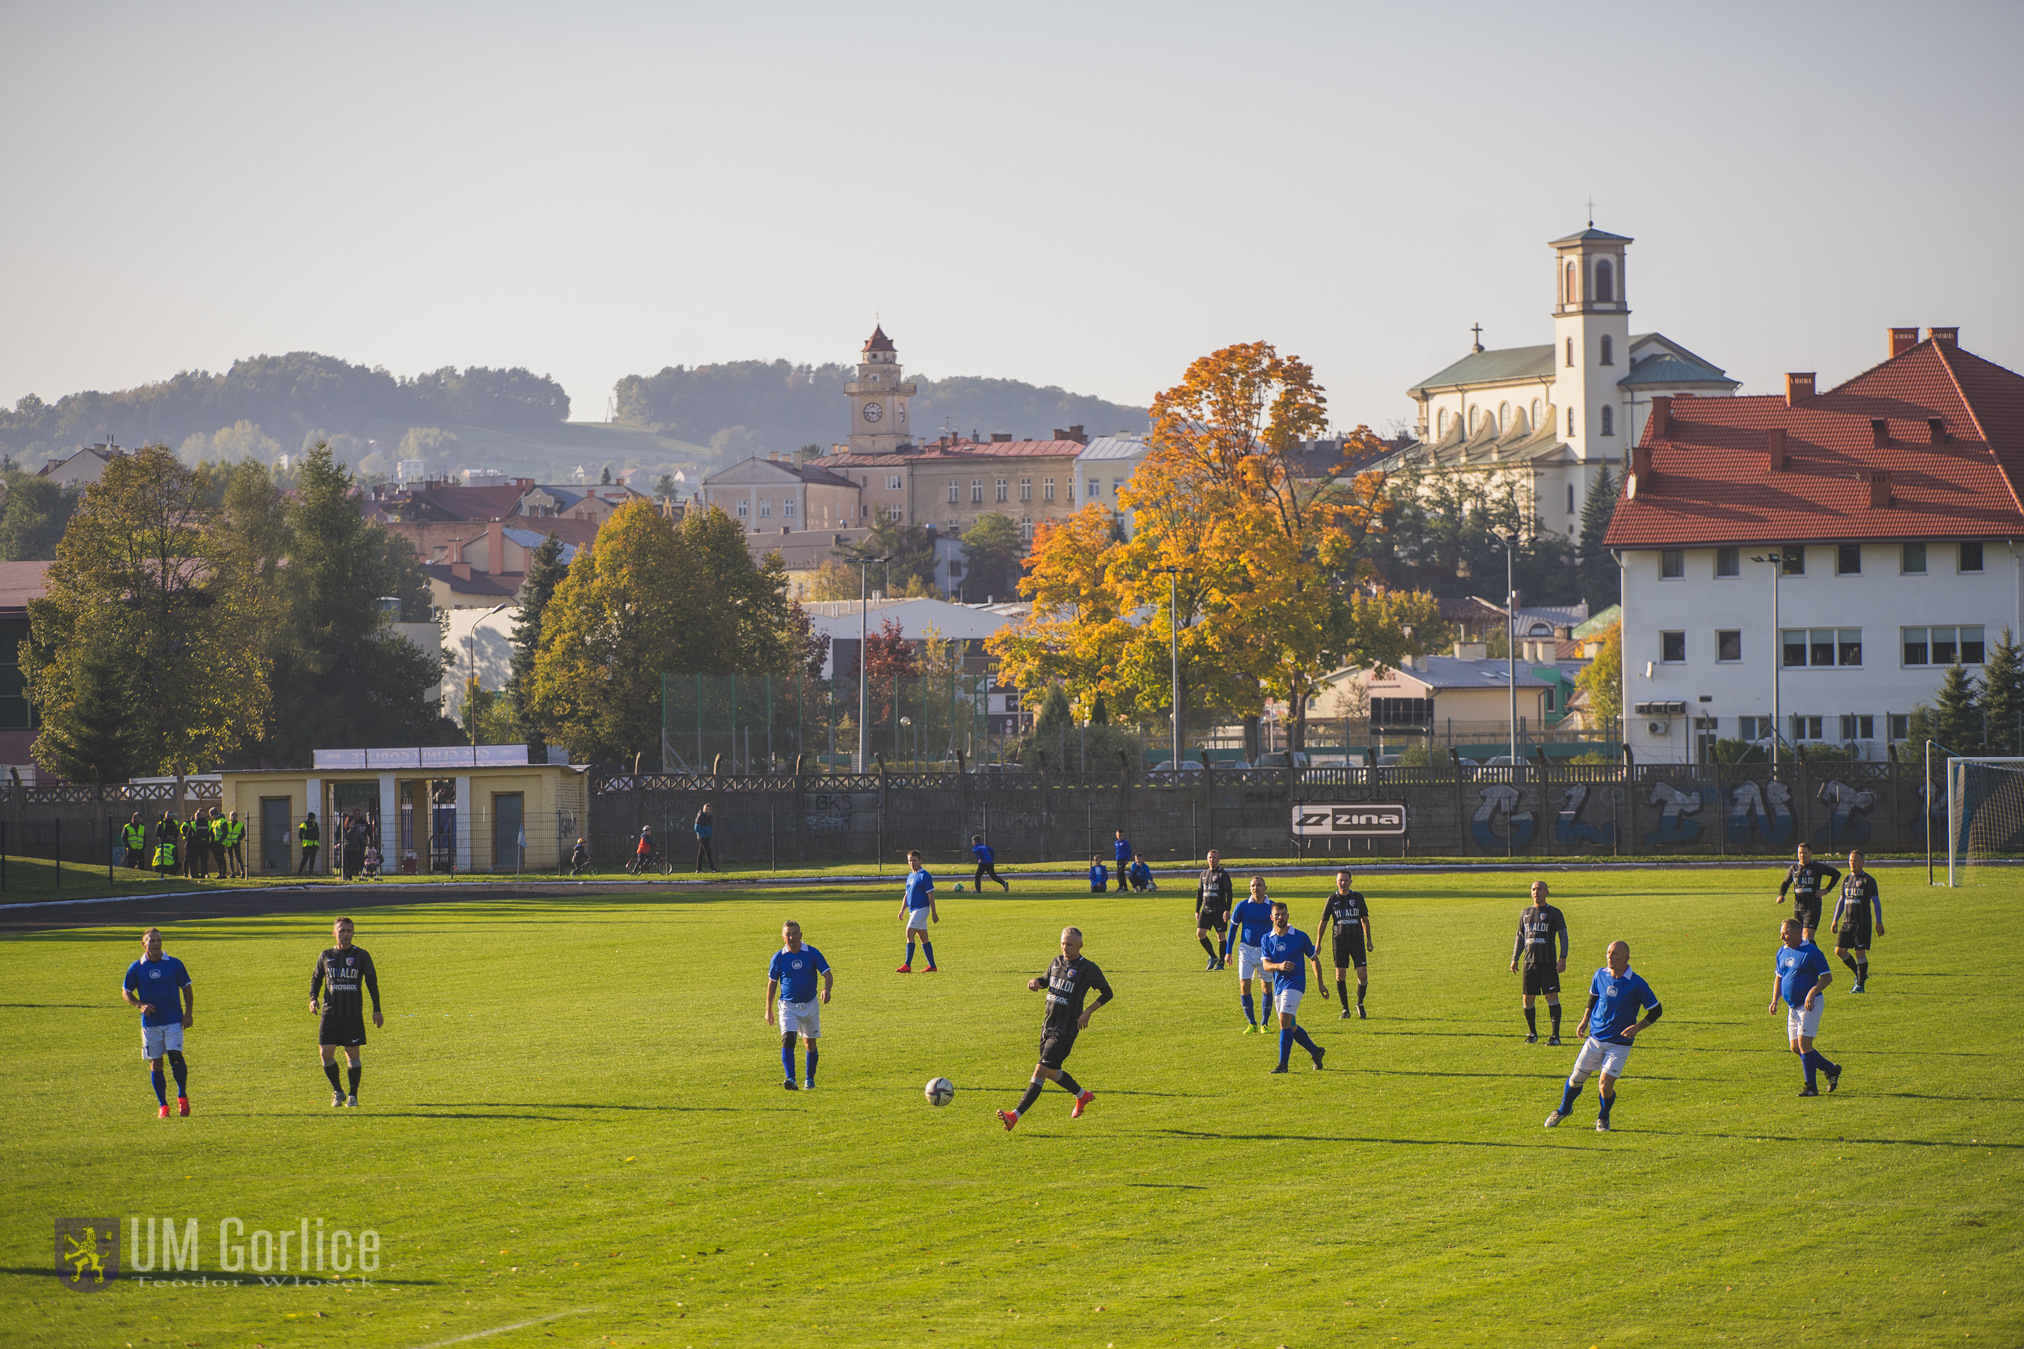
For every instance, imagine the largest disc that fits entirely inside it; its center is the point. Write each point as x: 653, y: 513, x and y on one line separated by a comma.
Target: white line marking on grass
x: 501, y: 1330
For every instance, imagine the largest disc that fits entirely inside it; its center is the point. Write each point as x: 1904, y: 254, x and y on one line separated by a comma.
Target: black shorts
x: 1852, y: 937
x: 1539, y: 979
x: 1349, y: 948
x: 1806, y: 915
x: 341, y: 1028
x: 1206, y: 921
x: 1055, y: 1046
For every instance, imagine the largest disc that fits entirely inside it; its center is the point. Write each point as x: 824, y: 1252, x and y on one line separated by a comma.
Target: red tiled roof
x: 21, y: 582
x: 1711, y: 482
x: 878, y: 341
x: 1000, y: 449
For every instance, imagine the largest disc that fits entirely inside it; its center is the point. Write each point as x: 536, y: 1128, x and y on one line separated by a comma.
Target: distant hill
x: 754, y: 405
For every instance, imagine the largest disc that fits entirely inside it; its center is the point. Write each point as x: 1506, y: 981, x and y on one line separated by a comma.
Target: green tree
x: 665, y: 488
x: 1952, y: 719
x: 544, y: 572
x: 340, y: 680
x: 132, y: 586
x: 35, y: 517
x: 1601, y: 581
x: 431, y: 444
x: 1602, y: 679
x: 912, y: 550
x: 2003, y: 695
x: 604, y: 478
x: 991, y: 552
x: 93, y: 740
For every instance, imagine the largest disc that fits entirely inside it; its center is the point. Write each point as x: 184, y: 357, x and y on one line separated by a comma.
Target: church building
x: 1545, y: 420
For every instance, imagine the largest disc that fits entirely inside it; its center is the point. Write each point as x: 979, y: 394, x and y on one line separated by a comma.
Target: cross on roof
x: 1591, y: 211
x: 1477, y: 329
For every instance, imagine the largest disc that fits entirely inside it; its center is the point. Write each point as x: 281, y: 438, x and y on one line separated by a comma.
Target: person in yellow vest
x: 309, y: 834
x: 214, y: 835
x: 196, y: 834
x: 168, y: 834
x: 134, y: 838
x: 235, y: 846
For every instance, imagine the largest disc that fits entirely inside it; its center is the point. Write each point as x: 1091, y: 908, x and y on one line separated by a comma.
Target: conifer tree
x: 2003, y: 696
x: 545, y: 571
x: 1601, y: 582
x: 1953, y: 721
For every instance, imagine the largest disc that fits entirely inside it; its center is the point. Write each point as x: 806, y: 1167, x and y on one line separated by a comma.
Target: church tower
x: 1591, y: 344
x: 878, y: 399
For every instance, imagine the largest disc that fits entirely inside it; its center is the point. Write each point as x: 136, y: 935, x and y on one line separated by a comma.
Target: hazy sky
x: 1082, y: 194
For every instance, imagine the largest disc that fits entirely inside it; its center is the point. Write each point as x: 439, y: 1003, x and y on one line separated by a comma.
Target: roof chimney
x: 1662, y: 414
x: 1798, y: 388
x: 1945, y: 337
x: 1640, y: 476
x: 1774, y: 444
x: 1879, y: 488
x: 1001, y: 437
x: 1936, y: 430
x: 1903, y: 340
x: 1879, y: 432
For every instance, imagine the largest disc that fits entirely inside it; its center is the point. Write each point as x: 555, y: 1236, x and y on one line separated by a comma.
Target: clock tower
x: 878, y: 399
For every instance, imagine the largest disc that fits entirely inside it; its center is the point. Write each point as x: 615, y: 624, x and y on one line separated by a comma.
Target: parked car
x: 1187, y: 766
x: 1279, y: 760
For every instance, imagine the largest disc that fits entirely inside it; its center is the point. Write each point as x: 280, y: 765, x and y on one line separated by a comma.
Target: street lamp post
x: 1510, y: 542
x: 1174, y: 655
x: 863, y: 665
x: 1776, y: 557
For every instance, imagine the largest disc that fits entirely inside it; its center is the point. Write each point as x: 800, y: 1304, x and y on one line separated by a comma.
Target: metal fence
x: 765, y: 723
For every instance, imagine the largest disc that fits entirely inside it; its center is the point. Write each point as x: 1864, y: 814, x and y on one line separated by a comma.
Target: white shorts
x: 1288, y: 999
x: 917, y: 919
x: 1596, y: 1055
x: 1799, y: 1021
x: 1250, y: 960
x: 801, y: 1018
x: 159, y: 1040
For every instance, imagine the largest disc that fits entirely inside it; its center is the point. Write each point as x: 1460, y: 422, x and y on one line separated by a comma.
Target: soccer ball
x: 959, y: 887
x: 939, y: 1091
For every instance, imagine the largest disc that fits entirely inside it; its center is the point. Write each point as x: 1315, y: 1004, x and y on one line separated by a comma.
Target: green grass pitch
x: 573, y: 1128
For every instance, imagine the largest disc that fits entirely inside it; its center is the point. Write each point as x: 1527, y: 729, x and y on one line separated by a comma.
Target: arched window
x: 1608, y: 350
x: 1570, y: 421
x: 1570, y: 353
x: 1535, y: 412
x: 1605, y: 281
x: 1441, y: 423
x: 1570, y: 297
x: 1608, y: 420
x: 1475, y: 419
x: 1503, y: 417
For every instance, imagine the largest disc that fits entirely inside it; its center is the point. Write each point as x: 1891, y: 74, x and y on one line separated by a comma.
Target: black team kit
x: 1212, y: 911
x: 1068, y: 983
x: 1538, y: 927
x: 1349, y: 913
x: 1852, y: 925
x: 1808, y: 881
x: 343, y: 969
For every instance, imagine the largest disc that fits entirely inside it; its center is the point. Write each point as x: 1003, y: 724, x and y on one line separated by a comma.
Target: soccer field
x: 573, y: 1128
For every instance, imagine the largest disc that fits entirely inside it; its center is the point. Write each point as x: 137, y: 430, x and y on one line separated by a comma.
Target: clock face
x: 872, y: 412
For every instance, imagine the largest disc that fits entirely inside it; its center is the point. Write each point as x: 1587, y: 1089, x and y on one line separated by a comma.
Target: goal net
x: 1985, y: 813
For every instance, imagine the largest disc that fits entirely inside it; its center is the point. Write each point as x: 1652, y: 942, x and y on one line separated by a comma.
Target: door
x: 508, y: 841
x: 277, y: 833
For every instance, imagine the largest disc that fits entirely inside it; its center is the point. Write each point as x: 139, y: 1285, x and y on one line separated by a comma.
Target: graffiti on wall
x: 1675, y: 811
x: 1847, y: 821
x: 1500, y: 799
x: 1762, y: 809
x: 1570, y: 830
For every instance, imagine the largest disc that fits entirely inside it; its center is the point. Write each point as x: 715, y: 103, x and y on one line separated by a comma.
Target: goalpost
x: 1985, y: 811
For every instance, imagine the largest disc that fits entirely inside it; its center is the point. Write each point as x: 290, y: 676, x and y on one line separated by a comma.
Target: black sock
x: 353, y: 1074
x: 330, y: 1071
x: 1532, y: 1020
x: 1032, y: 1095
x: 1342, y: 991
x: 1861, y: 970
x: 1208, y: 946
x: 1362, y: 986
x: 1069, y: 1085
x: 1847, y: 960
x: 181, y: 1068
x: 1553, y: 1010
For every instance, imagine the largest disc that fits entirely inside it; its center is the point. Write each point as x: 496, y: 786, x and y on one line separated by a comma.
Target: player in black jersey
x: 1067, y: 982
x: 1539, y: 923
x: 1851, y: 925
x: 1808, y: 880
x: 340, y: 974
x: 1213, y: 893
x: 1351, y: 915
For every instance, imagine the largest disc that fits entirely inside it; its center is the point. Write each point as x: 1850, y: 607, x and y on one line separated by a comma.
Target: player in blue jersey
x: 1287, y: 950
x: 917, y: 910
x: 1249, y: 922
x: 1800, y: 979
x: 1852, y: 924
x: 1615, y: 996
x: 790, y: 992
x: 1099, y: 876
x: 160, y: 987
x: 1120, y: 850
x: 987, y: 863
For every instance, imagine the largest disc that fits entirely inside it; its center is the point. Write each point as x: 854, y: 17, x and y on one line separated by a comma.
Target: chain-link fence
x: 757, y: 724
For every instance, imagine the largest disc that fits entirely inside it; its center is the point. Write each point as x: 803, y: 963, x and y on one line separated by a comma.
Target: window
x: 1608, y: 420
x: 898, y: 513
x: 1116, y: 486
x: 1673, y: 647
x: 1728, y: 645
x: 1900, y: 724
x: 1728, y: 562
x: 1401, y: 711
x: 1026, y: 530
x: 1570, y: 353
x: 1475, y: 420
x: 1549, y: 698
x: 1572, y: 296
x: 1821, y: 647
x: 1026, y: 489
x: 1858, y: 728
x: 1672, y: 564
x: 1913, y: 561
x: 1971, y: 556
x: 15, y: 713
x: 1848, y: 560
x: 744, y: 509
x: 977, y: 490
x: 1503, y: 417
x: 1535, y: 414
x: 1570, y: 419
x: 765, y: 509
x: 1570, y: 498
x: 1944, y: 646
x: 955, y: 493
x: 1792, y: 648
x: 1805, y: 728
x: 1608, y: 350
x: 1753, y: 728
x: 1605, y: 284
x: 787, y: 507
x: 1001, y: 489
x: 1047, y: 489
x: 893, y: 483
x: 1795, y: 560
x: 1441, y: 422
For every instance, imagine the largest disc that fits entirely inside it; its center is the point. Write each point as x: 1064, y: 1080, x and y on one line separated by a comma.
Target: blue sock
x: 811, y: 1060
x: 181, y: 1069
x: 1607, y: 1102
x: 1819, y: 1061
x: 1808, y: 1059
x: 787, y: 1059
x: 910, y: 953
x: 929, y: 947
x: 1250, y: 1015
x: 161, y: 1084
x: 1567, y: 1095
x: 1285, y: 1044
x: 1300, y: 1038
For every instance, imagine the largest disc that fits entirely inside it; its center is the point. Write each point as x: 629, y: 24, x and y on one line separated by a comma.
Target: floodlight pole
x: 1510, y: 542
x: 863, y: 664
x: 1776, y: 557
x: 1174, y: 654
